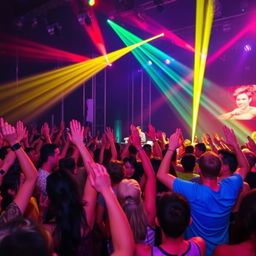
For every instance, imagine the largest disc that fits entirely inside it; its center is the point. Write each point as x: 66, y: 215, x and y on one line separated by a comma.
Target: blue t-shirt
x: 210, y: 210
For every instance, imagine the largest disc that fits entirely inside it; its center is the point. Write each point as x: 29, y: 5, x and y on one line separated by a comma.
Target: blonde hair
x: 129, y: 196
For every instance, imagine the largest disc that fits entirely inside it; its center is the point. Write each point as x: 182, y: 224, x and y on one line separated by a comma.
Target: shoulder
x: 143, y: 250
x: 200, y: 243
x: 12, y: 211
x: 253, y: 110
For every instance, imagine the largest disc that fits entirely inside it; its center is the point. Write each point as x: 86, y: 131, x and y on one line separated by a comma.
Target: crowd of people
x: 68, y: 193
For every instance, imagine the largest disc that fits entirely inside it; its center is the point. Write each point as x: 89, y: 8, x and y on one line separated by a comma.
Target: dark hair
x: 3, y: 152
x: 173, y: 213
x: 247, y: 216
x: 229, y: 158
x: 132, y: 160
x: 201, y: 147
x: 46, y: 151
x: 10, y: 181
x: 188, y: 162
x: 132, y: 150
x: 189, y: 149
x: 250, y: 156
x: 115, y: 171
x: 23, y: 237
x: 66, y: 209
x: 147, y: 148
x: 67, y: 163
x: 210, y: 165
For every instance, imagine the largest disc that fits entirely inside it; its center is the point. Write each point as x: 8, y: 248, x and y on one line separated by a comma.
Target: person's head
x: 243, y: 96
x: 247, y: 215
x: 173, y: 214
x: 66, y: 209
x: 129, y: 196
x: 189, y: 149
x: 250, y: 156
x: 200, y: 149
x: 22, y: 237
x: 10, y: 185
x: 33, y: 154
x: 130, y: 165
x: 229, y: 162
x: 148, y: 149
x: 132, y: 150
x: 188, y: 162
x: 49, y: 154
x: 210, y: 165
x: 115, y: 171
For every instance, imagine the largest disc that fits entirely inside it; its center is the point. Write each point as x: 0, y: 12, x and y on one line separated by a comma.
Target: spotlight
x: 91, y: 2
x: 150, y: 63
x: 54, y: 29
x: 84, y: 18
x: 247, y: 48
x: 167, y: 61
x: 110, y: 64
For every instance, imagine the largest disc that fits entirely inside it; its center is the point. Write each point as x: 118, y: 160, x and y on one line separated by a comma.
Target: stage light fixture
x: 167, y: 61
x: 247, y: 48
x: 91, y: 2
x: 150, y: 62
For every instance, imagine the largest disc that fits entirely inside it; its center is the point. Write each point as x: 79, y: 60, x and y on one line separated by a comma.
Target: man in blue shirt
x: 211, y: 202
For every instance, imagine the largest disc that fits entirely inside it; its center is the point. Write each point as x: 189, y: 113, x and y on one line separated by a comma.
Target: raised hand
x: 135, y: 138
x: 45, y: 130
x: 151, y: 132
x: 8, y: 132
x: 251, y: 144
x: 99, y: 178
x: 21, y: 131
x: 230, y: 136
x: 110, y: 135
x: 175, y: 141
x: 76, y: 132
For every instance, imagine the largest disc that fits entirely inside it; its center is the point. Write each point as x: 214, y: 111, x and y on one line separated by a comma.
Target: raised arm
x: 163, y: 172
x: 120, y: 229
x: 243, y: 166
x: 156, y: 147
x: 89, y: 195
x: 26, y: 189
x: 111, y: 139
x: 150, y: 182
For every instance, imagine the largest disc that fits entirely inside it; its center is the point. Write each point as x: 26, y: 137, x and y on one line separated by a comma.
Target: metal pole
x: 105, y: 98
x: 150, y: 99
x: 141, y: 100
x: 84, y: 102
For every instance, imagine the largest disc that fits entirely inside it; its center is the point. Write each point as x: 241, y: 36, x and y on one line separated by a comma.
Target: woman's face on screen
x: 242, y: 100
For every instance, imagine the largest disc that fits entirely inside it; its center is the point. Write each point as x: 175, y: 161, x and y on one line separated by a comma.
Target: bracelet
x: 15, y: 147
x: 2, y: 172
x: 169, y: 149
x: 139, y: 149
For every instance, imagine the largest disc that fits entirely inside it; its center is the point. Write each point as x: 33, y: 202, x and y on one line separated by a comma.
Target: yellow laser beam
x: 35, y: 94
x: 201, y: 50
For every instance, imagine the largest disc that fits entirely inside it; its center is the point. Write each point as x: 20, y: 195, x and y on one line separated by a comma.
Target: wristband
x: 139, y: 149
x: 15, y: 147
x: 2, y: 172
x: 169, y: 149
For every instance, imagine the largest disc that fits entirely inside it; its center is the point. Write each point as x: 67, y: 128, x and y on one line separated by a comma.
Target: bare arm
x: 26, y: 189
x: 243, y: 166
x: 89, y: 195
x: 120, y: 229
x: 150, y: 185
x: 156, y: 147
x: 111, y: 139
x: 163, y: 172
